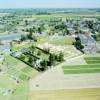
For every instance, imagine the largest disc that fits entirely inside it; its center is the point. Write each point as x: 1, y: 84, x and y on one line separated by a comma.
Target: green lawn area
x: 78, y: 69
x: 21, y: 92
x: 19, y: 70
x: 92, y: 60
x: 17, y: 47
x: 20, y: 89
x: 34, y: 54
x: 69, y: 15
x: 44, y: 56
x: 41, y: 41
x: 61, y: 40
x: 20, y: 46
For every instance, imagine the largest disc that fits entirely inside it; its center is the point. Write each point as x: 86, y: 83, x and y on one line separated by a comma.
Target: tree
x: 78, y: 44
x: 23, y: 37
x: 61, y: 56
x: 90, y: 24
x: 22, y: 57
x: 47, y: 50
x: 40, y: 30
x: 26, y: 22
x: 34, y: 29
x: 51, y: 59
x: 29, y: 36
x: 98, y: 37
x: 30, y: 60
x: 39, y: 52
x: 44, y: 64
x: 66, y: 32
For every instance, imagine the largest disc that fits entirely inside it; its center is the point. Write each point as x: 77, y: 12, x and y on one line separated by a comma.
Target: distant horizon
x: 50, y: 8
x: 15, y: 4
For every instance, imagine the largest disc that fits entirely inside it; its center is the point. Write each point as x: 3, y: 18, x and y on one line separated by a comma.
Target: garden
x: 40, y: 59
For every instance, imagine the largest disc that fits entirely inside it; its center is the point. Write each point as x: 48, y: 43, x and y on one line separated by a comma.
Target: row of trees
x: 78, y: 44
x: 52, y: 60
x: 29, y: 36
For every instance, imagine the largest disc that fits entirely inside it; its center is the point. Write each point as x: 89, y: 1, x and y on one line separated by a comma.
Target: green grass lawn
x: 69, y: 15
x: 20, y: 89
x: 78, y: 69
x: 92, y: 60
x: 17, y: 47
x: 20, y: 70
x: 61, y: 40
x: 43, y: 55
x: 21, y: 92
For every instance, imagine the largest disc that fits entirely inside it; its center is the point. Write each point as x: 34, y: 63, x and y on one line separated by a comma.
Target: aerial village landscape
x: 50, y: 54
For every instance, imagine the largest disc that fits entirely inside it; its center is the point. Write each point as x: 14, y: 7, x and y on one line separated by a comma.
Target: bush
x: 39, y: 53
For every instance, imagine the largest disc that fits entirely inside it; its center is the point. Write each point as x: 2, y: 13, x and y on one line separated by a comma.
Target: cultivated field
x: 68, y: 94
x: 14, y: 79
x: 78, y: 69
x: 52, y: 16
x: 92, y: 60
x: 61, y: 40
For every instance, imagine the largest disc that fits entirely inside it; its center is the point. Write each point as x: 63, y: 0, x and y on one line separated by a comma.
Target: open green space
x: 17, y: 47
x: 13, y: 71
x: 78, y: 69
x: 40, y: 53
x: 92, y: 60
x: 69, y: 15
x: 16, y: 91
x: 61, y: 40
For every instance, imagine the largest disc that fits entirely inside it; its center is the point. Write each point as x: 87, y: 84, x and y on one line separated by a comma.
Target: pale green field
x: 61, y: 40
x: 92, y: 60
x: 19, y: 70
x: 21, y: 46
x: 78, y: 69
x: 68, y: 94
x: 65, y: 15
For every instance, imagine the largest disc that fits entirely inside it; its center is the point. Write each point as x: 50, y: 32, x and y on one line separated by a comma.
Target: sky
x: 49, y: 3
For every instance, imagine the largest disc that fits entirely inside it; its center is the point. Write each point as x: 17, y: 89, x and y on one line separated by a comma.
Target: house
x: 5, y: 48
x: 88, y: 42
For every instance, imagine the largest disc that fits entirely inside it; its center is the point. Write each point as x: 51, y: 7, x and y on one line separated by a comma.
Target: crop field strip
x: 68, y: 94
x: 78, y: 69
x: 92, y: 60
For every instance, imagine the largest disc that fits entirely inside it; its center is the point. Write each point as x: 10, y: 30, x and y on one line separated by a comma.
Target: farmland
x: 93, y: 66
x: 93, y: 60
x: 71, y: 94
x: 61, y: 40
x: 78, y: 69
x: 70, y: 15
x: 48, y: 55
x: 15, y: 72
